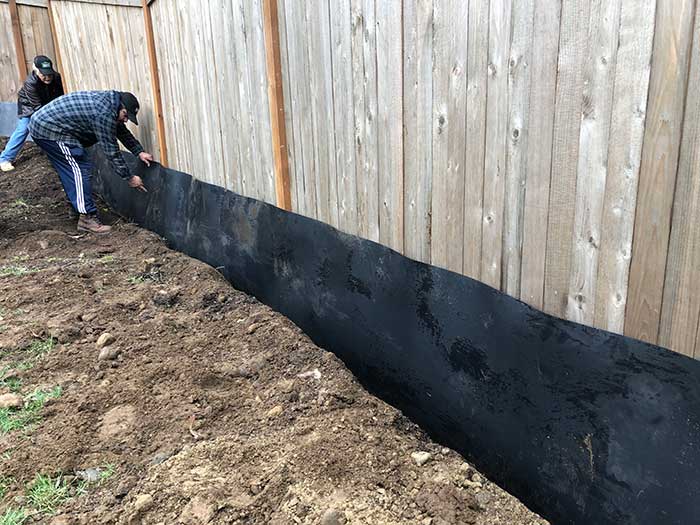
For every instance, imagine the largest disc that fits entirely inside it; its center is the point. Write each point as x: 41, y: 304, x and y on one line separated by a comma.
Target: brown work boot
x: 92, y: 224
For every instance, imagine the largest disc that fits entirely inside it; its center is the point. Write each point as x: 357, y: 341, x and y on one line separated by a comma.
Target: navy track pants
x: 74, y: 168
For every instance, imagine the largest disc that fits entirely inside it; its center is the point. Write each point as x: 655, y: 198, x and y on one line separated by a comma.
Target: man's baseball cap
x: 44, y: 65
x: 131, y: 104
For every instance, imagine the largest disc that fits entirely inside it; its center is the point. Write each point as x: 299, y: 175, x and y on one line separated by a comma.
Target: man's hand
x: 137, y: 183
x: 146, y: 158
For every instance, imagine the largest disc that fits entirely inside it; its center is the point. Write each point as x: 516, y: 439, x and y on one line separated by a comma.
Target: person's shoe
x: 6, y: 166
x: 92, y: 224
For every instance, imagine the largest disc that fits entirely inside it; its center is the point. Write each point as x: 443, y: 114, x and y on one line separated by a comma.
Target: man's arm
x: 129, y: 141
x: 106, y: 134
x: 32, y: 93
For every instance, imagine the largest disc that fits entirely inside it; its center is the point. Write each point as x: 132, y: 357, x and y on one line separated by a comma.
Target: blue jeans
x: 19, y: 135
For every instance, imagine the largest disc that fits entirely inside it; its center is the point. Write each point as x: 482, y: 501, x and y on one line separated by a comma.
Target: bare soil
x: 208, y: 407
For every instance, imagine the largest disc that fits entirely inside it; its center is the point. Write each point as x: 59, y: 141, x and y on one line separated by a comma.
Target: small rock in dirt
x: 108, y: 353
x: 105, y: 339
x: 143, y: 502
x: 91, y: 475
x: 11, y: 401
x: 124, y: 487
x: 476, y: 478
x: 483, y: 498
x: 252, y: 328
x: 286, y: 385
x: 88, y: 317
x: 43, y: 245
x: 162, y: 457
x: 60, y: 520
x: 197, y: 511
x: 275, y: 411
x: 332, y: 517
x: 421, y: 458
x: 166, y: 297
x: 315, y: 374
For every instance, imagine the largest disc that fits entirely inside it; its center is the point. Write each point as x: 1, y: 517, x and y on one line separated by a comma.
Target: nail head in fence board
x: 598, y: 86
x: 155, y: 83
x: 417, y: 117
x: 519, y: 80
x: 681, y: 303
x: 539, y: 154
x: 477, y: 79
x: 624, y: 155
x: 496, y: 137
x: 276, y: 102
x: 659, y: 164
x: 573, y: 42
x: 19, y: 45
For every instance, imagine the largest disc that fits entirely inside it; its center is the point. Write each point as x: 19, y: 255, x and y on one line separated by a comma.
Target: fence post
x: 276, y: 100
x: 19, y: 45
x: 155, y: 82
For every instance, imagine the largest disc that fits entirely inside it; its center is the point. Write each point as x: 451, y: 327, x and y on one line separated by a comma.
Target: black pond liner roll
x: 584, y: 426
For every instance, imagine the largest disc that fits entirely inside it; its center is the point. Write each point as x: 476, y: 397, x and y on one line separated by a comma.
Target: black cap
x: 131, y: 103
x: 44, y: 65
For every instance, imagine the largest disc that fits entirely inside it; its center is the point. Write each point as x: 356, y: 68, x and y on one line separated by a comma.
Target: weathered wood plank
x: 545, y: 48
x: 477, y: 78
x: 680, y: 311
x: 389, y: 114
x: 417, y: 118
x: 624, y: 155
x: 366, y: 122
x: 17, y: 38
x: 9, y: 80
x: 344, y: 115
x: 451, y: 26
x: 519, y: 70
x: 155, y: 84
x: 573, y: 43
x: 496, y: 142
x: 659, y: 164
x: 598, y: 80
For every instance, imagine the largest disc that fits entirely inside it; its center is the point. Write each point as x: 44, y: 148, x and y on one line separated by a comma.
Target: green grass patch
x: 30, y: 414
x: 14, y: 517
x: 14, y: 270
x: 5, y: 483
x: 46, y: 494
x: 106, y: 259
x: 40, y: 347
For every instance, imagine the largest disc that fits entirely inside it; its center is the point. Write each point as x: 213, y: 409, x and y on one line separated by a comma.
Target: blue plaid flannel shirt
x: 85, y: 118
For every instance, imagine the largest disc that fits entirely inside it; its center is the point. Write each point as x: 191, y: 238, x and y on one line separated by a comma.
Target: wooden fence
x: 547, y: 148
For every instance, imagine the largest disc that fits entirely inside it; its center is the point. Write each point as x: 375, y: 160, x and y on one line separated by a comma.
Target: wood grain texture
x: 624, y: 156
x: 659, y: 164
x: 573, y: 45
x: 475, y: 144
x: 9, y: 80
x: 17, y: 38
x: 598, y: 82
x: 155, y: 84
x: 539, y: 152
x: 680, y: 312
x: 417, y: 118
x: 519, y: 80
x: 496, y: 142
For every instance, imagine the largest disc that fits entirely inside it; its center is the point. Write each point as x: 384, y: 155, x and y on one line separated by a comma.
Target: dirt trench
x: 145, y: 389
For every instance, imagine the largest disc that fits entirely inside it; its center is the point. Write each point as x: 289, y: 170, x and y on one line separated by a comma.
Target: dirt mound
x: 154, y: 392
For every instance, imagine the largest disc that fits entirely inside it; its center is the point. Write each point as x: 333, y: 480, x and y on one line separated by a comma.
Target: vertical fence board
x: 389, y: 114
x: 449, y: 133
x: 681, y: 302
x: 573, y: 42
x: 496, y: 140
x: 539, y: 152
x: 9, y: 81
x: 519, y: 66
x: 657, y: 176
x: 475, y: 144
x: 417, y: 117
x: 598, y: 80
x: 624, y: 155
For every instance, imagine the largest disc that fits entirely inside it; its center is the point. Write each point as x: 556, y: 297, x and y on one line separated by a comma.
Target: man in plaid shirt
x: 65, y: 127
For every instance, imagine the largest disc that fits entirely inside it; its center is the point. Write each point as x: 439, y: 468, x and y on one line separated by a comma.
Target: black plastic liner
x: 584, y: 426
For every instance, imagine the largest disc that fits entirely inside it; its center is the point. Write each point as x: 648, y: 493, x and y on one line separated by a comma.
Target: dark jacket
x: 34, y: 94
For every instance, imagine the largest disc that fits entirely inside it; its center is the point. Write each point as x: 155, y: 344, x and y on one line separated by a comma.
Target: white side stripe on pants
x: 77, y: 177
